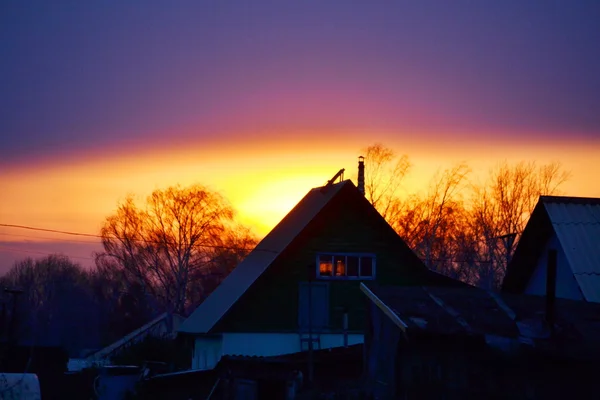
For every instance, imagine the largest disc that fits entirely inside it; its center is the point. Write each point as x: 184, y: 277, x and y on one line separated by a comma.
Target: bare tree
x: 431, y: 224
x: 165, y: 245
x: 384, y: 173
x: 468, y: 232
x: 502, y: 207
x: 236, y: 245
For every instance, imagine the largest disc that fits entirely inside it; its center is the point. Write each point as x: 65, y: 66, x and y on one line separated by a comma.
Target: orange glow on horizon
x: 263, y: 180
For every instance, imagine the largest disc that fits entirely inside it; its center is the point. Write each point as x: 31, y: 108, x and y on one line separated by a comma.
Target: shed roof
x: 474, y: 312
x: 576, y: 223
x: 210, y: 311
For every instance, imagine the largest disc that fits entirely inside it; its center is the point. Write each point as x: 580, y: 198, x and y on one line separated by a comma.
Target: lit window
x: 325, y: 265
x: 340, y: 265
x: 346, y: 266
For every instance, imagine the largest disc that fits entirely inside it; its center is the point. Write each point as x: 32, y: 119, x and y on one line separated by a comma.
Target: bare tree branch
x: 166, y: 245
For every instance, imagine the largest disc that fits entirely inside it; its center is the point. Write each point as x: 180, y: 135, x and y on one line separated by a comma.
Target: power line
x: 49, y: 238
x: 38, y: 252
x: 50, y: 230
x: 33, y: 228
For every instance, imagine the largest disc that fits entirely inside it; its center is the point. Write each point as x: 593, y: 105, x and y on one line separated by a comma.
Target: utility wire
x: 50, y: 238
x: 134, y: 240
x: 50, y: 230
x: 38, y: 252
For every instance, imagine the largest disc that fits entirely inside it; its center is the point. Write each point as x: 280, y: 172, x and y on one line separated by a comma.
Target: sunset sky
x: 262, y: 100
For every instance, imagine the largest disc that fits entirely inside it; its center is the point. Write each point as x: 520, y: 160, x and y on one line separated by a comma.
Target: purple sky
x: 83, y: 78
x: 79, y: 75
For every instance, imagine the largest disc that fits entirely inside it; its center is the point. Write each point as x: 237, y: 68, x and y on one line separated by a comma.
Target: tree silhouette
x: 57, y: 307
x: 458, y: 228
x: 384, y: 172
x: 172, y: 242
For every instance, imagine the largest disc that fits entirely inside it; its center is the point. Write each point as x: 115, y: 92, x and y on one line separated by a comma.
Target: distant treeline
x: 166, y: 255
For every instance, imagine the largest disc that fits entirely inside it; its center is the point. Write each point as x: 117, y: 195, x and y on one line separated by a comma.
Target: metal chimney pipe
x: 361, y: 174
x: 551, y: 288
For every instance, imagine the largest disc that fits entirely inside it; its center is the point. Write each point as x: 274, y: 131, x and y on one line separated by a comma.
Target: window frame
x: 332, y: 277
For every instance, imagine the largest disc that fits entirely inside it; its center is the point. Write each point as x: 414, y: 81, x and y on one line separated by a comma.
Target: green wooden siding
x: 348, y: 224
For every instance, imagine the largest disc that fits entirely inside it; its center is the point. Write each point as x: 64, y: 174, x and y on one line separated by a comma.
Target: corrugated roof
x: 474, y: 312
x: 576, y: 222
x: 211, y: 310
x: 445, y: 310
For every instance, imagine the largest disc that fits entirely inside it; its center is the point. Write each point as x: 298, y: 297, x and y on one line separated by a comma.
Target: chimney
x: 551, y: 288
x: 361, y: 175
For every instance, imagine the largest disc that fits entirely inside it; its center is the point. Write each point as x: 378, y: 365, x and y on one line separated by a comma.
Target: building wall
x: 566, y: 284
x: 208, y: 350
x: 382, y: 337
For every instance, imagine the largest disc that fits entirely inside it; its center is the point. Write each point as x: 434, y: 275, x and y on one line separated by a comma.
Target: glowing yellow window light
x: 340, y: 267
x: 325, y: 266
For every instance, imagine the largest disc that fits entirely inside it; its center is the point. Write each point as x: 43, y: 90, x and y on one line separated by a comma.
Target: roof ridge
x: 570, y: 199
x: 595, y: 222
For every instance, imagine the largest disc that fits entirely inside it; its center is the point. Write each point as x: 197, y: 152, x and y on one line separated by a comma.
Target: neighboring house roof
x: 471, y: 312
x: 576, y: 223
x: 163, y: 325
x: 210, y: 311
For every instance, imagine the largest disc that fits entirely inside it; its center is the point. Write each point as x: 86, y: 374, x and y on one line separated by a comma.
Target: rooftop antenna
x: 340, y: 174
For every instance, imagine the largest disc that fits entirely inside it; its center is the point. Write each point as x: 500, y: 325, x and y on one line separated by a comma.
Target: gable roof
x: 576, y: 223
x: 210, y: 311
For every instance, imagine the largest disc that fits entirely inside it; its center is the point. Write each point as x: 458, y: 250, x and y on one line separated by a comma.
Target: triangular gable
x: 214, y: 307
x: 576, y: 223
x: 531, y: 244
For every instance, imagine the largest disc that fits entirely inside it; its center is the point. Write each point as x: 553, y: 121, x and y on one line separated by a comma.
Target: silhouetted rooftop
x: 477, y: 313
x: 576, y: 223
x: 210, y: 311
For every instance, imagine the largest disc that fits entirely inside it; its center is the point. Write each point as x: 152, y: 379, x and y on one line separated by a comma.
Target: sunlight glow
x: 263, y: 181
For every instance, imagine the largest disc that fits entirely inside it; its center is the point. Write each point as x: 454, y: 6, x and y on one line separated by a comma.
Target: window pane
x: 352, y: 266
x: 340, y: 265
x: 366, y: 266
x: 325, y: 265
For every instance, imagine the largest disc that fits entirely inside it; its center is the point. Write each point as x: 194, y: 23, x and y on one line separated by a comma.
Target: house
x: 566, y: 230
x: 314, y: 259
x: 466, y: 342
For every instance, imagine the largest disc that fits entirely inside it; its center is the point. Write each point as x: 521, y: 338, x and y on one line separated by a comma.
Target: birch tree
x: 464, y: 230
x: 432, y: 223
x: 384, y: 173
x: 501, y: 208
x: 163, y: 245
